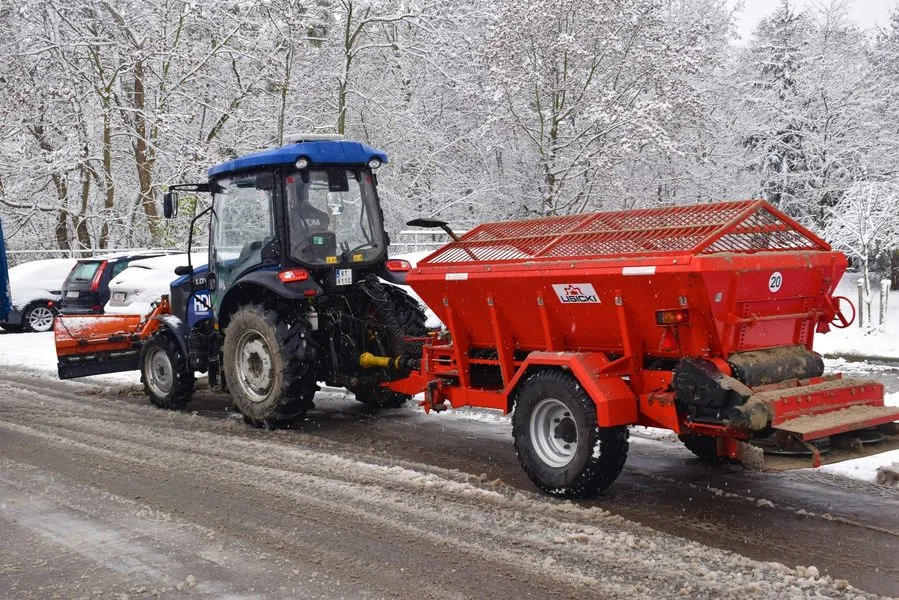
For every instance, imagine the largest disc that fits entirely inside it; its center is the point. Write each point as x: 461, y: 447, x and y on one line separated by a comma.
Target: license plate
x: 118, y: 296
x: 344, y: 276
x: 72, y: 294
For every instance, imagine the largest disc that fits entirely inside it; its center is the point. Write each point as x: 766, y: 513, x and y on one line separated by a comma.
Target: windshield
x: 333, y: 217
x: 83, y: 271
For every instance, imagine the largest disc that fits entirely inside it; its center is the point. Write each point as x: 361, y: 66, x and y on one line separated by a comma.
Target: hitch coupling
x: 398, y: 364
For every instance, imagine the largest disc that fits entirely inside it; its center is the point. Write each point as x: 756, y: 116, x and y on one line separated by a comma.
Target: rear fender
x: 261, y: 287
x: 395, y: 277
x: 296, y: 290
x: 616, y: 404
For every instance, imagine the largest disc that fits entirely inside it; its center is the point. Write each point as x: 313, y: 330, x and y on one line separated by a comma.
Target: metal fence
x: 17, y: 257
x: 417, y: 240
x: 408, y: 240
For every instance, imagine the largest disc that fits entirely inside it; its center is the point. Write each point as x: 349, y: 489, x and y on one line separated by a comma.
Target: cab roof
x: 319, y: 152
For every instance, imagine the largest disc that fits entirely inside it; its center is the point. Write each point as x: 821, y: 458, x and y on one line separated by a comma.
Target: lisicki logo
x: 570, y: 293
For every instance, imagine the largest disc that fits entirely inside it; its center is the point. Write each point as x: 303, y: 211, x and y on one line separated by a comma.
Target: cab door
x: 242, y: 224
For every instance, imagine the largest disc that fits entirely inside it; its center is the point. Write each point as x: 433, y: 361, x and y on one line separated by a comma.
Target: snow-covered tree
x: 864, y: 225
x: 810, y: 120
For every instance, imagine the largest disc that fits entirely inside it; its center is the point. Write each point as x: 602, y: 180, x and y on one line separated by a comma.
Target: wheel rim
x: 553, y: 432
x: 160, y: 375
x: 254, y: 365
x: 40, y: 318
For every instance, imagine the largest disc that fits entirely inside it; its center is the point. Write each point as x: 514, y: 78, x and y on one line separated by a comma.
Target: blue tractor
x: 5, y: 298
x: 299, y: 285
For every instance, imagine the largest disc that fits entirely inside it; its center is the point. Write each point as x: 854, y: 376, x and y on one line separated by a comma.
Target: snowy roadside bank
x: 880, y: 342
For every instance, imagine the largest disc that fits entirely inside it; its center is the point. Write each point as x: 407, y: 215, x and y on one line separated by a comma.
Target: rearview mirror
x: 170, y: 204
x: 433, y: 223
x: 337, y: 180
x: 184, y: 270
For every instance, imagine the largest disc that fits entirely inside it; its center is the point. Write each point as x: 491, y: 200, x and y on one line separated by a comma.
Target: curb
x: 891, y: 360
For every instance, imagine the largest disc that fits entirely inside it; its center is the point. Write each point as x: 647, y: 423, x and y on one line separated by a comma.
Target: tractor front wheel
x: 268, y: 382
x: 167, y: 379
x: 559, y: 444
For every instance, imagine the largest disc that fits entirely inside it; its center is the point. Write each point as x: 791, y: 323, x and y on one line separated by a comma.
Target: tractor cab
x: 297, y: 220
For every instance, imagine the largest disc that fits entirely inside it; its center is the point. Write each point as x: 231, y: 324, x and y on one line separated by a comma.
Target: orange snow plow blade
x: 96, y: 344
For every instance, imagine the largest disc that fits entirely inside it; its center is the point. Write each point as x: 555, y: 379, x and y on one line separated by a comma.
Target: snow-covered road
x: 103, y: 495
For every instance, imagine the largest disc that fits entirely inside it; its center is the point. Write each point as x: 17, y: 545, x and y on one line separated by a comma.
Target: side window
x: 242, y: 224
x: 118, y: 267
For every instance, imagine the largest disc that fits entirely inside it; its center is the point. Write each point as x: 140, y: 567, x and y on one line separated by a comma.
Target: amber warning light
x: 672, y: 317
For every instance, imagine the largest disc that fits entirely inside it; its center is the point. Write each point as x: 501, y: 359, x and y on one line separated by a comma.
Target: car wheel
x: 38, y: 317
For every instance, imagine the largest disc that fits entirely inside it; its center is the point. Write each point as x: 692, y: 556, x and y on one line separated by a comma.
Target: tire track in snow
x: 451, y: 513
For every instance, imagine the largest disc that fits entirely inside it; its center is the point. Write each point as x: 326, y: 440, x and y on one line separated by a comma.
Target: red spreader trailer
x: 699, y: 319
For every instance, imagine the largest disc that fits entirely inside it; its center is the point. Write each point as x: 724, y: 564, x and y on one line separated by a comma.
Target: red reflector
x: 398, y: 265
x: 310, y: 292
x: 292, y: 275
x: 672, y: 317
x: 669, y: 340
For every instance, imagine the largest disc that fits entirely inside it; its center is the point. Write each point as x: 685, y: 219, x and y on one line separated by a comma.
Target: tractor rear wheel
x: 558, y: 442
x: 374, y: 396
x: 167, y: 379
x: 266, y: 379
x: 703, y: 446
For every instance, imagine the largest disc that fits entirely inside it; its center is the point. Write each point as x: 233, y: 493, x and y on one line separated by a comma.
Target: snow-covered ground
x: 877, y: 340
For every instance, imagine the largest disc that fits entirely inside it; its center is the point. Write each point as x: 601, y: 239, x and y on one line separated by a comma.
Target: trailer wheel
x: 163, y: 370
x: 558, y: 442
x: 267, y: 382
x: 703, y: 446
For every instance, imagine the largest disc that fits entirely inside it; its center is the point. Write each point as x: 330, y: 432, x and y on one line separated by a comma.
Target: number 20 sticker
x: 775, y: 281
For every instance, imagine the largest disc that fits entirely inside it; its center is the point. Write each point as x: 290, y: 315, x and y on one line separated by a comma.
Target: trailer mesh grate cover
x: 738, y: 227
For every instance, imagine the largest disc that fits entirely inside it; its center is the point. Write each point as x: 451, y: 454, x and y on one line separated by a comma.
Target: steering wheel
x: 839, y: 319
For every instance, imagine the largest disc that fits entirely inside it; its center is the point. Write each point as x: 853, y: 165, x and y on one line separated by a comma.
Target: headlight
x: 302, y: 162
x: 374, y: 164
